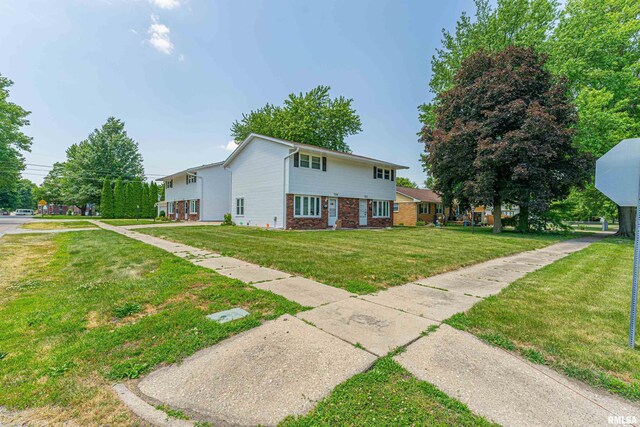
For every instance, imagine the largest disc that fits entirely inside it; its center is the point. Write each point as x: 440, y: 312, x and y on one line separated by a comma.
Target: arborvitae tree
x: 136, y: 196
x: 153, y: 199
x: 144, y: 201
x: 129, y: 206
x: 118, y: 199
x: 106, y: 199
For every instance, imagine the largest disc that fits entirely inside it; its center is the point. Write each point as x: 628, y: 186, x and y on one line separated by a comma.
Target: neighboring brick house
x: 282, y: 184
x: 417, y: 204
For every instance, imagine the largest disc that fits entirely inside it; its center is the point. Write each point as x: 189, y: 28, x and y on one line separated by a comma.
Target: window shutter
x: 393, y: 174
x: 324, y: 164
x: 375, y: 172
x: 296, y: 160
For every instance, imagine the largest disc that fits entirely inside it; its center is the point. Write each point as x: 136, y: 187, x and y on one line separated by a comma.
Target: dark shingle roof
x: 422, y: 194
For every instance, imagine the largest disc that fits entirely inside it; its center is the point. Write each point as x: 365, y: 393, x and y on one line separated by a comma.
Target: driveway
x: 8, y: 223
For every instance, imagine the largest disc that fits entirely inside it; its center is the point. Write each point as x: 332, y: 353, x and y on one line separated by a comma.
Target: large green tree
x: 13, y: 142
x: 22, y: 195
x: 405, y: 182
x: 153, y: 199
x: 52, y: 187
x: 312, y: 118
x: 503, y: 135
x: 144, y: 201
x: 597, y: 46
x: 511, y: 22
x: 107, y: 152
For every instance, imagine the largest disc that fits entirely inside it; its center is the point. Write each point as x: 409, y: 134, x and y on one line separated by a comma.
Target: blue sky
x: 179, y: 72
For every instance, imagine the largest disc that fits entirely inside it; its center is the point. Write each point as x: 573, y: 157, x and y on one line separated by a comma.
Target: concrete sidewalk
x: 285, y: 366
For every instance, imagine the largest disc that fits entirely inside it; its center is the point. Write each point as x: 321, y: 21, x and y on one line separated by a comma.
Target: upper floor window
x: 380, y: 208
x: 170, y: 183
x: 240, y: 206
x: 382, y: 173
x: 310, y: 161
x: 191, y: 178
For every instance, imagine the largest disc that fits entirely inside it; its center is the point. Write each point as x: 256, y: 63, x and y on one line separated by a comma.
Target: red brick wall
x: 348, y: 212
x: 182, y: 206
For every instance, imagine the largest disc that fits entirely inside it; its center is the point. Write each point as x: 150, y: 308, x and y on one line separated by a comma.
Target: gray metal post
x: 634, y: 286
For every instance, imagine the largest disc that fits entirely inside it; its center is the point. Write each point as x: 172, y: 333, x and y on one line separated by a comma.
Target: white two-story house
x: 283, y: 184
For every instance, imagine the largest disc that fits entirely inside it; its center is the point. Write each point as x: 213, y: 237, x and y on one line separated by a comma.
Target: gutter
x: 284, y: 187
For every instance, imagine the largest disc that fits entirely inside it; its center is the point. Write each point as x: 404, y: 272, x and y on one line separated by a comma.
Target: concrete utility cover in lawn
x: 228, y: 315
x: 281, y: 368
x: 618, y: 173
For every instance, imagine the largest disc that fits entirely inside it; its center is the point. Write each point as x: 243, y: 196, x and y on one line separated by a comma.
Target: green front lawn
x: 125, y: 221
x: 387, y: 395
x: 57, y: 225
x: 360, y: 261
x: 572, y: 315
x: 80, y: 311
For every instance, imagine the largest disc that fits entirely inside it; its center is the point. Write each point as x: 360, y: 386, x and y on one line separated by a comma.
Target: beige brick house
x: 417, y: 204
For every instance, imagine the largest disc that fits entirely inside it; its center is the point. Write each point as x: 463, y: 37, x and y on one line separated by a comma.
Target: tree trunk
x: 497, y: 215
x: 626, y: 221
x: 83, y: 209
x: 523, y: 221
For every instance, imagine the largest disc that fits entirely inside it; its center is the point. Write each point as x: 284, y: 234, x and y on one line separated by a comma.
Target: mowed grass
x: 57, y: 225
x: 360, y: 261
x: 124, y: 221
x: 80, y: 311
x: 387, y: 395
x: 572, y: 315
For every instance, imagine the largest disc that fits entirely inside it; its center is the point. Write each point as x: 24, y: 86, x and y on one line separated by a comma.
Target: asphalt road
x: 10, y: 222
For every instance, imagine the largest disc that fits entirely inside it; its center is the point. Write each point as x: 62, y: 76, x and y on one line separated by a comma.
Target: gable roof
x: 209, y: 165
x: 420, y: 194
x: 312, y: 148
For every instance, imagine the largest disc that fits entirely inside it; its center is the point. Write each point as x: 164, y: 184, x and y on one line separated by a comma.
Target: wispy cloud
x: 160, y: 37
x: 166, y: 4
x: 231, y: 145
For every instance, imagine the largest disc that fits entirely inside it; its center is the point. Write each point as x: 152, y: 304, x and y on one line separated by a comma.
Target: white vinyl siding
x: 240, y: 206
x: 343, y: 178
x: 258, y: 176
x: 380, y: 208
x: 307, y: 206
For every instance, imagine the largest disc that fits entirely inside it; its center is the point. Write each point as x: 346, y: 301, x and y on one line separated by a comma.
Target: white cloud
x: 160, y: 38
x: 231, y: 145
x: 165, y: 4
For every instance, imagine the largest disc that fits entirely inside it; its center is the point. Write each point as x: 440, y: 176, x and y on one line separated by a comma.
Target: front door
x: 186, y: 210
x: 333, y: 212
x: 363, y: 212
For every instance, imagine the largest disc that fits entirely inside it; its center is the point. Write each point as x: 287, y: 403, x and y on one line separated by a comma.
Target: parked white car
x: 24, y: 212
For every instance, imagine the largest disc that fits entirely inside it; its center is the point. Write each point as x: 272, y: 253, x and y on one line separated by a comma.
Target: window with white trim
x: 424, y: 208
x: 310, y: 162
x: 381, y: 173
x: 396, y: 207
x: 191, y: 178
x: 439, y: 208
x: 240, y: 206
x: 170, y: 205
x: 316, y: 162
x: 307, y: 206
x: 380, y: 208
x: 193, y: 206
x: 170, y: 183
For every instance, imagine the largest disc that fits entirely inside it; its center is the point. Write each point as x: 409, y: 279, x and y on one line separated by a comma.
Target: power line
x: 92, y: 170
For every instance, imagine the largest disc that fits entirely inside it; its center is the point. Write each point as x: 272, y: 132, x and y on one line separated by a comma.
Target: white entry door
x: 363, y: 212
x: 333, y: 212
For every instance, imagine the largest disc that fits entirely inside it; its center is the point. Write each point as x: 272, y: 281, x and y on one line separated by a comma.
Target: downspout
x: 284, y: 187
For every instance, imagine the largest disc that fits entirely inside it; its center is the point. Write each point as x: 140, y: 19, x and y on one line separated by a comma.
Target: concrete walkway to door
x: 285, y: 366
